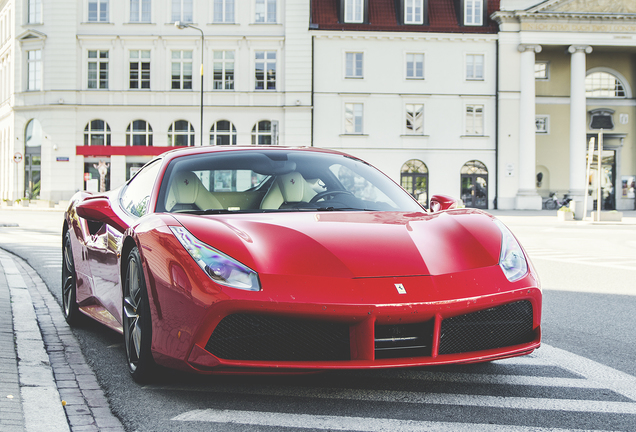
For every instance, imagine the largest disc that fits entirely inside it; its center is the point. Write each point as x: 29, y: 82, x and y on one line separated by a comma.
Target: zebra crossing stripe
x: 342, y: 423
x: 593, y: 376
x: 391, y: 396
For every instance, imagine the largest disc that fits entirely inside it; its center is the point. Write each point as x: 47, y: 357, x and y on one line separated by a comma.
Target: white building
x: 491, y: 101
x: 115, y: 81
x: 411, y: 91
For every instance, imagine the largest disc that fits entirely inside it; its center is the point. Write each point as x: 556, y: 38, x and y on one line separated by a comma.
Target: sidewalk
x: 45, y: 383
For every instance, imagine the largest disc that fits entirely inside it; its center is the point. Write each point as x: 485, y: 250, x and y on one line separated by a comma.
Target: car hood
x: 353, y: 244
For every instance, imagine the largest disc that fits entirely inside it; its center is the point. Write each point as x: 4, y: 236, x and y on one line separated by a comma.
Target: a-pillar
x: 527, y: 197
x: 578, y: 129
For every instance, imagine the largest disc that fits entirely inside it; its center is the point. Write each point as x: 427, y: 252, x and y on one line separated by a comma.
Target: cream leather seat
x: 188, y: 193
x: 287, y: 189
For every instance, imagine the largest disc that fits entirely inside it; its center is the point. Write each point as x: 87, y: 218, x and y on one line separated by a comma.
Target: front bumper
x: 374, y: 329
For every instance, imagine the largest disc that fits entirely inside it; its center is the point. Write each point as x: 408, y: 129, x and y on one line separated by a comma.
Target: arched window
x: 181, y: 134
x: 139, y: 133
x: 97, y: 133
x: 474, y: 181
x: 604, y: 84
x: 262, y: 133
x: 414, y: 179
x: 223, y: 132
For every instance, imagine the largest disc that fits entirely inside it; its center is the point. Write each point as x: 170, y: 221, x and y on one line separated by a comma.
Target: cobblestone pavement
x: 45, y: 382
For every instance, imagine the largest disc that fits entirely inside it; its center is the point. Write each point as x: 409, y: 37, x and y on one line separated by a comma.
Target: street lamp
x: 181, y: 26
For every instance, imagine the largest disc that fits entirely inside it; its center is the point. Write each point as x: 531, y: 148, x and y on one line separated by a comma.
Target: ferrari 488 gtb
x: 221, y: 259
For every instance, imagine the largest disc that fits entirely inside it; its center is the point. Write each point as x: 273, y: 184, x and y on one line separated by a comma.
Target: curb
x: 50, y: 363
x: 38, y: 390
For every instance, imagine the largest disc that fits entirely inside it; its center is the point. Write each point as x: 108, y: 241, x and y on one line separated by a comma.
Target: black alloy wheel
x: 136, y: 321
x: 70, y: 309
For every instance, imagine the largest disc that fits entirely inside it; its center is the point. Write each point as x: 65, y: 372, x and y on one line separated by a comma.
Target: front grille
x: 497, y: 327
x: 403, y: 340
x: 269, y: 338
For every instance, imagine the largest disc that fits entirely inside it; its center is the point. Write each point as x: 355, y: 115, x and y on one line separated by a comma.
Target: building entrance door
x: 474, y: 184
x: 33, y: 160
x: 608, y: 179
x: 32, y: 170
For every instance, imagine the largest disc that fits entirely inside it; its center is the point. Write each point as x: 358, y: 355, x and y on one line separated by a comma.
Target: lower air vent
x: 403, y: 340
x: 497, y: 327
x: 269, y: 338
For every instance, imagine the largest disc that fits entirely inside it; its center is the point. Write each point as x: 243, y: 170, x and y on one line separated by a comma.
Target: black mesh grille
x: 403, y: 340
x: 497, y: 327
x: 268, y: 338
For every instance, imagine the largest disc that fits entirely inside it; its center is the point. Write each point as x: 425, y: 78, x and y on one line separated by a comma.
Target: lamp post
x: 181, y: 26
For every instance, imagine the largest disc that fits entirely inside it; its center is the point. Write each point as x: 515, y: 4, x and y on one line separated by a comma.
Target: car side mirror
x: 442, y: 202
x: 99, y: 210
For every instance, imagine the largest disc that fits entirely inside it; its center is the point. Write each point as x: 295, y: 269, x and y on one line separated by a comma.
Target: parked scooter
x: 554, y: 203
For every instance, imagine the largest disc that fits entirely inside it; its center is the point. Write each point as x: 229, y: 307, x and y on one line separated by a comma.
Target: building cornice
x: 398, y: 36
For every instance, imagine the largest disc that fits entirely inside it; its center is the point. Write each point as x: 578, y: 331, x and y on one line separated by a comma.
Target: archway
x: 474, y: 181
x: 414, y: 179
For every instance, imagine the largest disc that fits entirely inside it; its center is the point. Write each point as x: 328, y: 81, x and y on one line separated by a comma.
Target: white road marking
x: 342, y: 423
x: 592, y: 375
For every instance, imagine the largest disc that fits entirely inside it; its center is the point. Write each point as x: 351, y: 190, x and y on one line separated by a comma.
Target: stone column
x: 578, y: 127
x: 527, y: 197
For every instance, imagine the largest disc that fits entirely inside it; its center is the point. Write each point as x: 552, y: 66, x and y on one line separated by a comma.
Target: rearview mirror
x: 99, y: 210
x: 442, y: 202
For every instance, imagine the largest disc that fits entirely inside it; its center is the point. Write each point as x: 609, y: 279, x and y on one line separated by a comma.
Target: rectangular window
x: 354, y: 11
x: 97, y: 69
x: 473, y: 12
x: 35, y: 11
x: 415, y: 66
x: 413, y: 11
x: 181, y: 70
x: 34, y: 70
x: 542, y: 123
x: 224, y: 11
x: 265, y: 11
x: 474, y: 67
x: 182, y: 11
x: 353, y: 66
x: 223, y: 70
x: 265, y: 70
x: 140, y: 11
x: 474, y: 119
x: 541, y: 70
x: 140, y: 69
x: 98, y: 10
x: 415, y: 119
x: 353, y: 118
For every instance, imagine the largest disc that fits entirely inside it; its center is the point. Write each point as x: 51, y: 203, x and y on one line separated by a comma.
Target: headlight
x: 512, y: 260
x: 221, y: 268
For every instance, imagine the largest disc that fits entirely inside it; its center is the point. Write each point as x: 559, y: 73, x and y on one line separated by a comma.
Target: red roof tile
x: 382, y: 17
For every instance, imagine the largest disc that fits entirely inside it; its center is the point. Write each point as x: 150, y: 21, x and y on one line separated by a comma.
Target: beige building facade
x: 566, y: 72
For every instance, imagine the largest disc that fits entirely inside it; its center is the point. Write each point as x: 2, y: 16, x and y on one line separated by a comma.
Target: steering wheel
x: 321, y: 195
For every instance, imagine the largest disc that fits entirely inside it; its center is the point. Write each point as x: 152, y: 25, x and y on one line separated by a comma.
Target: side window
x: 136, y: 195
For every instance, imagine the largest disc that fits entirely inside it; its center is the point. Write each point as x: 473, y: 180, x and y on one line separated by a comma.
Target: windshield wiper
x: 340, y: 209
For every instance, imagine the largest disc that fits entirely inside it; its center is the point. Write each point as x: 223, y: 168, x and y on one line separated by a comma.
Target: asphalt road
x: 582, y: 378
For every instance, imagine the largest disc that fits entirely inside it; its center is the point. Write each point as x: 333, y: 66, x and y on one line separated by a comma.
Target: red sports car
x: 270, y: 259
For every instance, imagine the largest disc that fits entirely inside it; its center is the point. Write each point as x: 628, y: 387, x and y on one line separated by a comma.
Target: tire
x: 70, y: 308
x: 137, y: 322
x: 550, y: 205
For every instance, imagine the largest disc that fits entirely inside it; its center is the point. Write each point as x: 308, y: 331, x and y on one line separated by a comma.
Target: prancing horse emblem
x: 400, y: 288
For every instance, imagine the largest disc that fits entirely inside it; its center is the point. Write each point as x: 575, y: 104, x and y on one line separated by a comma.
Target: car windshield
x: 277, y: 180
